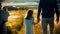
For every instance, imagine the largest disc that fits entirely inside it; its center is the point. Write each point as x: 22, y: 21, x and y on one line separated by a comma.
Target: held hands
x: 38, y: 20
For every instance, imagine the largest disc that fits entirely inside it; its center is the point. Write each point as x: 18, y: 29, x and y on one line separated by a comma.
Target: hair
x: 29, y: 14
x: 0, y: 5
x: 4, y: 8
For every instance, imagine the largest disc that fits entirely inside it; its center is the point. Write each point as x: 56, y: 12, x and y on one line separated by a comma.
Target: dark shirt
x: 3, y: 16
x: 47, y: 7
x: 1, y: 12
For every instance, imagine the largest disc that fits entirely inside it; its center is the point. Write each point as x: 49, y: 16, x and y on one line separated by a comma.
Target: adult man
x: 48, y: 7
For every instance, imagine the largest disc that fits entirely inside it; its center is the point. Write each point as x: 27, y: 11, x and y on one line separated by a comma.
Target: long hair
x: 29, y: 14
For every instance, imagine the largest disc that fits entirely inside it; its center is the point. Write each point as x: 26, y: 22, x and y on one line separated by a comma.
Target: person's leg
x: 4, y: 29
x: 44, y: 25
x: 51, y: 24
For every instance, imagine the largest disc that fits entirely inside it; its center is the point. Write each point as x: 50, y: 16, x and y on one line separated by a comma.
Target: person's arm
x: 39, y: 11
x: 56, y: 10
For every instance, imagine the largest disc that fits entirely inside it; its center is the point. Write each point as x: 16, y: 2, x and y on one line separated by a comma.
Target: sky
x: 22, y: 0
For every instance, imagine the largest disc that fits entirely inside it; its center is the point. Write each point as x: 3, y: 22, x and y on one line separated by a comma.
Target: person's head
x: 29, y: 14
x: 4, y: 8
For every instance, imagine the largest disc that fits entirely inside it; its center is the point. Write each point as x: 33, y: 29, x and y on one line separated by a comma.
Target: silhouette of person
x: 29, y: 21
x: 5, y: 19
x: 6, y: 13
x: 48, y: 7
x: 1, y: 20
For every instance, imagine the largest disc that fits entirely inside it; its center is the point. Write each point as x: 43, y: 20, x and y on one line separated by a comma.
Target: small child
x: 29, y: 21
x: 5, y: 19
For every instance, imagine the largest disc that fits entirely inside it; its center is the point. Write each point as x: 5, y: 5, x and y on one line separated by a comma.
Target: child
x: 5, y: 19
x: 29, y: 21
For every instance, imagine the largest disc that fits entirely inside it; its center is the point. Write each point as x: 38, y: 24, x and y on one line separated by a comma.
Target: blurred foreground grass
x: 17, y: 17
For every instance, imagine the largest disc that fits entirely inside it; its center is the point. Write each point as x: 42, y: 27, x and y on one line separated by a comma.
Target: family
x: 48, y: 8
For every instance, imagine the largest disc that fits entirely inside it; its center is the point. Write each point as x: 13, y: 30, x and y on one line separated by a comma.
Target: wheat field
x: 17, y: 17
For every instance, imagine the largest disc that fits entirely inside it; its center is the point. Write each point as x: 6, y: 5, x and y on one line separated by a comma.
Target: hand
x: 38, y: 20
x: 57, y: 20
